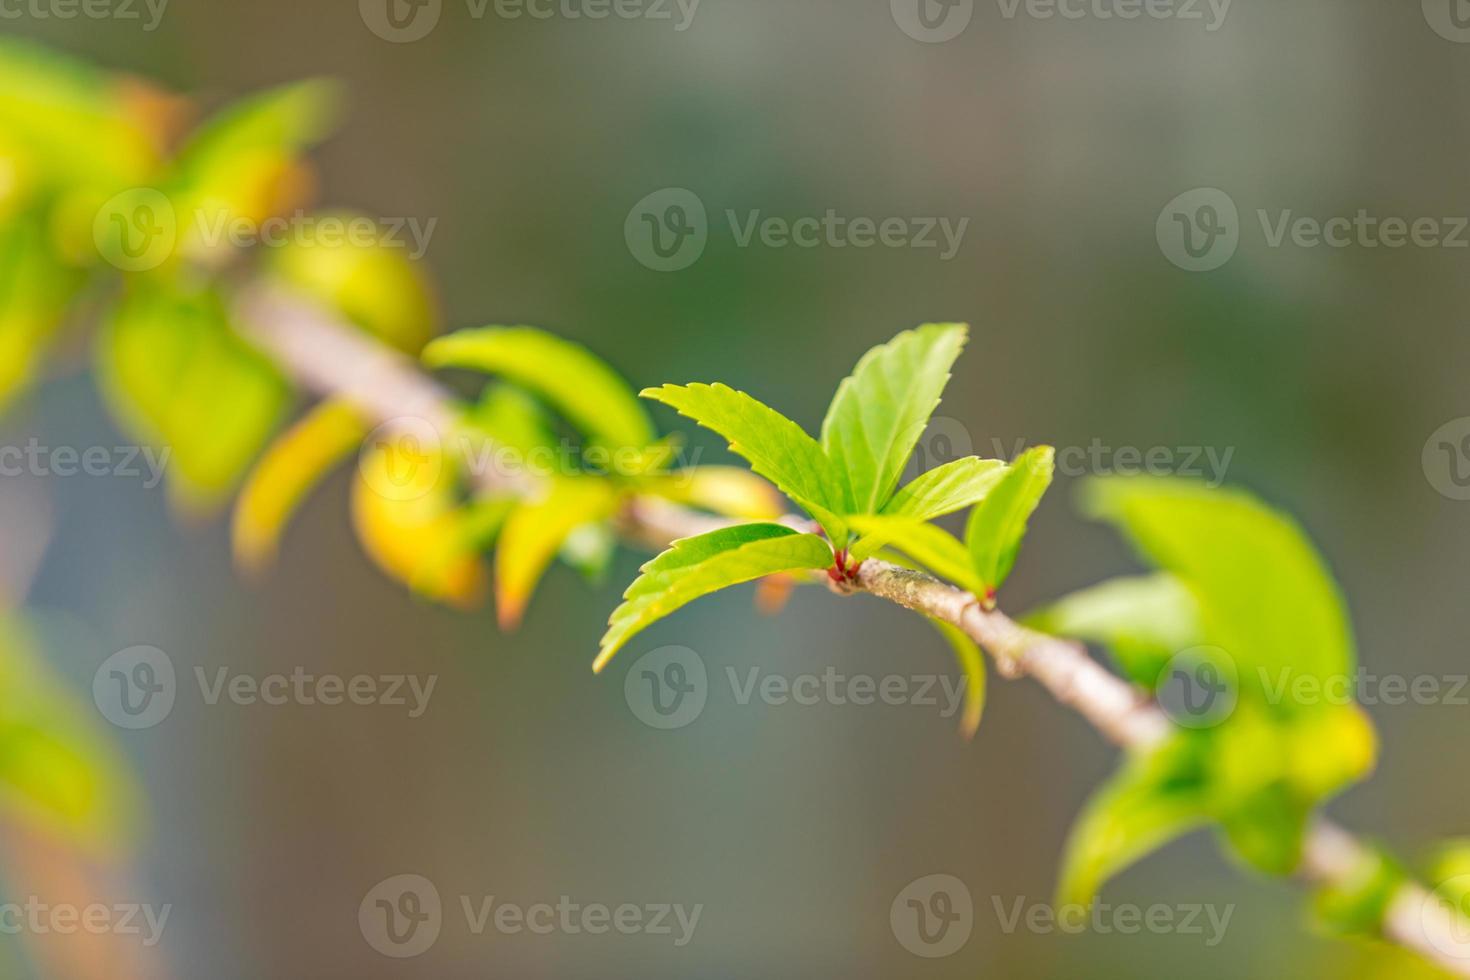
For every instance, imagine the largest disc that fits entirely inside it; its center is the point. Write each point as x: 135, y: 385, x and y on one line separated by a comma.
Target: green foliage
x: 932, y: 547
x: 880, y: 412
x: 972, y: 663
x: 579, y: 385
x: 998, y: 522
x: 178, y: 377
x: 1359, y: 905
x: 1259, y: 772
x: 534, y: 533
x: 56, y: 768
x: 697, y: 566
x: 34, y: 292
x: 946, y: 489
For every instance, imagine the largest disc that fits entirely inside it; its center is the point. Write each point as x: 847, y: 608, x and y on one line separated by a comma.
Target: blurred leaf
x: 697, y: 566
x: 932, y: 547
x: 534, y: 533
x: 409, y: 521
x: 1265, y: 595
x: 946, y: 489
x: 288, y: 471
x: 34, y: 292
x: 590, y: 549
x: 1155, y: 798
x: 998, y: 523
x: 972, y: 662
x: 57, y: 769
x: 372, y: 283
x: 584, y: 389
x: 725, y: 490
x: 1358, y: 905
x: 288, y: 118
x: 1143, y: 621
x: 178, y: 377
x: 513, y: 419
x: 775, y: 446
x: 880, y: 411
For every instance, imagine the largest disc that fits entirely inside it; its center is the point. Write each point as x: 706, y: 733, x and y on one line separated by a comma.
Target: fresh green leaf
x: 1357, y: 905
x: 697, y: 566
x: 933, y: 547
x: 285, y: 119
x: 945, y: 489
x: 590, y: 394
x: 178, y: 377
x: 775, y: 446
x: 536, y: 531
x: 34, y: 292
x: 880, y: 411
x: 998, y: 522
x: 972, y: 662
x: 1155, y: 798
x: 1265, y: 595
x: 1143, y: 621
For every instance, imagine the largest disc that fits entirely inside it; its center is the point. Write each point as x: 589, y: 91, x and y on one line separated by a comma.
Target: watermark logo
x: 667, y: 688
x: 668, y: 230
x: 123, y: 462
x: 37, y: 918
x: 122, y: 10
x: 401, y: 917
x: 1199, y: 687
x: 933, y: 21
x: 1199, y: 230
x: 135, y: 688
x: 933, y: 916
x: 944, y: 440
x: 400, y: 21
x: 1446, y: 459
x: 1209, y: 922
x: 1450, y: 19
x: 136, y: 230
x: 402, y: 459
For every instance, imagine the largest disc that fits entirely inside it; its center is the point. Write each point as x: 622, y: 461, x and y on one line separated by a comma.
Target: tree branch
x: 335, y: 360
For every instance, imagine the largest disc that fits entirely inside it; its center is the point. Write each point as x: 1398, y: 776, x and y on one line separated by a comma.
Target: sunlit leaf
x: 727, y: 490
x: 946, y: 489
x: 1143, y: 621
x: 932, y: 547
x: 34, y: 292
x: 288, y: 471
x: 1357, y: 904
x: 1155, y: 798
x: 880, y: 411
x: 972, y: 662
x: 775, y: 446
x: 1265, y: 595
x: 536, y: 531
x: 579, y: 385
x: 697, y: 566
x: 998, y: 523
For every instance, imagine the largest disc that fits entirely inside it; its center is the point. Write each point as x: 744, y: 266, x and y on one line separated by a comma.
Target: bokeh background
x: 1324, y: 371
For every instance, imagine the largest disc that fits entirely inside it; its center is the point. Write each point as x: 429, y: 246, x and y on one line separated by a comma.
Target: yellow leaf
x: 535, y: 532
x: 407, y: 518
x: 728, y: 490
x: 288, y: 471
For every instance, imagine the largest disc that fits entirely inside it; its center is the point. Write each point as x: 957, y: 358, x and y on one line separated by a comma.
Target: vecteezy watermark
x: 937, y: 21
x: 668, y: 688
x: 137, y: 688
x: 149, y: 13
x: 1450, y: 19
x: 37, y: 918
x: 404, y: 21
x: 1200, y: 230
x: 933, y: 916
x: 403, y: 916
x: 1287, y: 686
x: 1097, y: 458
x: 1444, y: 916
x: 1198, y: 687
x: 1188, y: 919
x: 123, y: 462
x: 668, y: 231
x: 140, y: 229
x: 1446, y: 459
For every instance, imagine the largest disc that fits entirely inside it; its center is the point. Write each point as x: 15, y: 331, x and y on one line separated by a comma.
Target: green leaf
x: 1358, y: 904
x: 57, y: 769
x: 579, y: 385
x: 1143, y: 621
x: 34, y: 293
x: 933, y: 547
x: 972, y: 662
x: 1265, y: 595
x: 285, y: 120
x: 179, y: 378
x: 535, y: 532
x: 697, y: 566
x: 946, y: 489
x: 998, y: 523
x: 1155, y: 798
x: 775, y: 446
x: 880, y: 411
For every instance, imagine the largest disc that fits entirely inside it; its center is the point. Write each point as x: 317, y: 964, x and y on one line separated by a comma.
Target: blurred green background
x: 1324, y: 370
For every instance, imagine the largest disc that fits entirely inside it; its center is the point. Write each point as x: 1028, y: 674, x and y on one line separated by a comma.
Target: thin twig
x: 334, y: 360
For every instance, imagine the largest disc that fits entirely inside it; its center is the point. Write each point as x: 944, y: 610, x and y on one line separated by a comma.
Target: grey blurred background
x: 1323, y: 370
